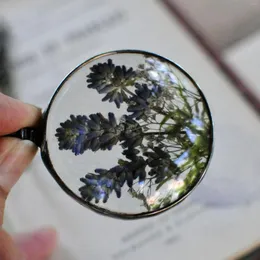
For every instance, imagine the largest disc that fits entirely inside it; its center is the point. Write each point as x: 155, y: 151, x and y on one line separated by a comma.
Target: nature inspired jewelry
x: 128, y: 134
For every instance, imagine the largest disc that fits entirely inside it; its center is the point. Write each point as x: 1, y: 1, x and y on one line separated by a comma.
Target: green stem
x: 129, y: 92
x: 194, y: 95
x: 159, y: 111
x: 156, y: 133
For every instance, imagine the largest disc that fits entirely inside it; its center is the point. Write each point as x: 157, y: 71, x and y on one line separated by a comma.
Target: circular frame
x: 48, y: 163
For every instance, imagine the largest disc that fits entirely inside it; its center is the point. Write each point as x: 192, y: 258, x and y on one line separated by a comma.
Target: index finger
x: 15, y: 115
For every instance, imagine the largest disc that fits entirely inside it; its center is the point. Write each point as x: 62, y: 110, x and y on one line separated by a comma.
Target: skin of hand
x: 15, y: 156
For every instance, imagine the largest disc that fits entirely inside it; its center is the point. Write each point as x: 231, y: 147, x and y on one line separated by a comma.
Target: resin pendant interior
x: 128, y: 134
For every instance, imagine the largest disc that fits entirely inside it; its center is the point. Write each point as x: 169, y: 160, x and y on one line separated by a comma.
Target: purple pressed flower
x: 140, y: 104
x: 100, y: 185
x: 160, y: 163
x: 83, y: 133
x: 71, y: 134
x: 111, y: 80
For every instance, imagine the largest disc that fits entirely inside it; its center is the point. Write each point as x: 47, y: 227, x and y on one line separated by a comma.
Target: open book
x: 244, y: 58
x: 219, y: 219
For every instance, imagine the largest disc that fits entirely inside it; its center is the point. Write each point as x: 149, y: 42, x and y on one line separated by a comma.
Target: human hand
x: 15, y: 156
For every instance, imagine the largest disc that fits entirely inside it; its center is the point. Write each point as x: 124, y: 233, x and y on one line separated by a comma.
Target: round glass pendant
x: 128, y: 134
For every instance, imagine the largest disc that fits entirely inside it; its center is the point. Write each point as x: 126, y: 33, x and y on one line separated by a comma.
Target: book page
x: 50, y: 38
x: 244, y: 58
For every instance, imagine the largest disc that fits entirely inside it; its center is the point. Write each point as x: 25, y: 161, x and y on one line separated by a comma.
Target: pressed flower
x: 111, y: 80
x: 103, y: 133
x: 83, y: 133
x: 131, y: 153
x: 160, y: 163
x: 72, y: 133
x: 138, y: 168
x: 140, y: 104
x: 132, y: 136
x: 100, y: 185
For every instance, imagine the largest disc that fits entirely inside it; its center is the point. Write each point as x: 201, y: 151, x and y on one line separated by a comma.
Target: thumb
x: 37, y: 245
